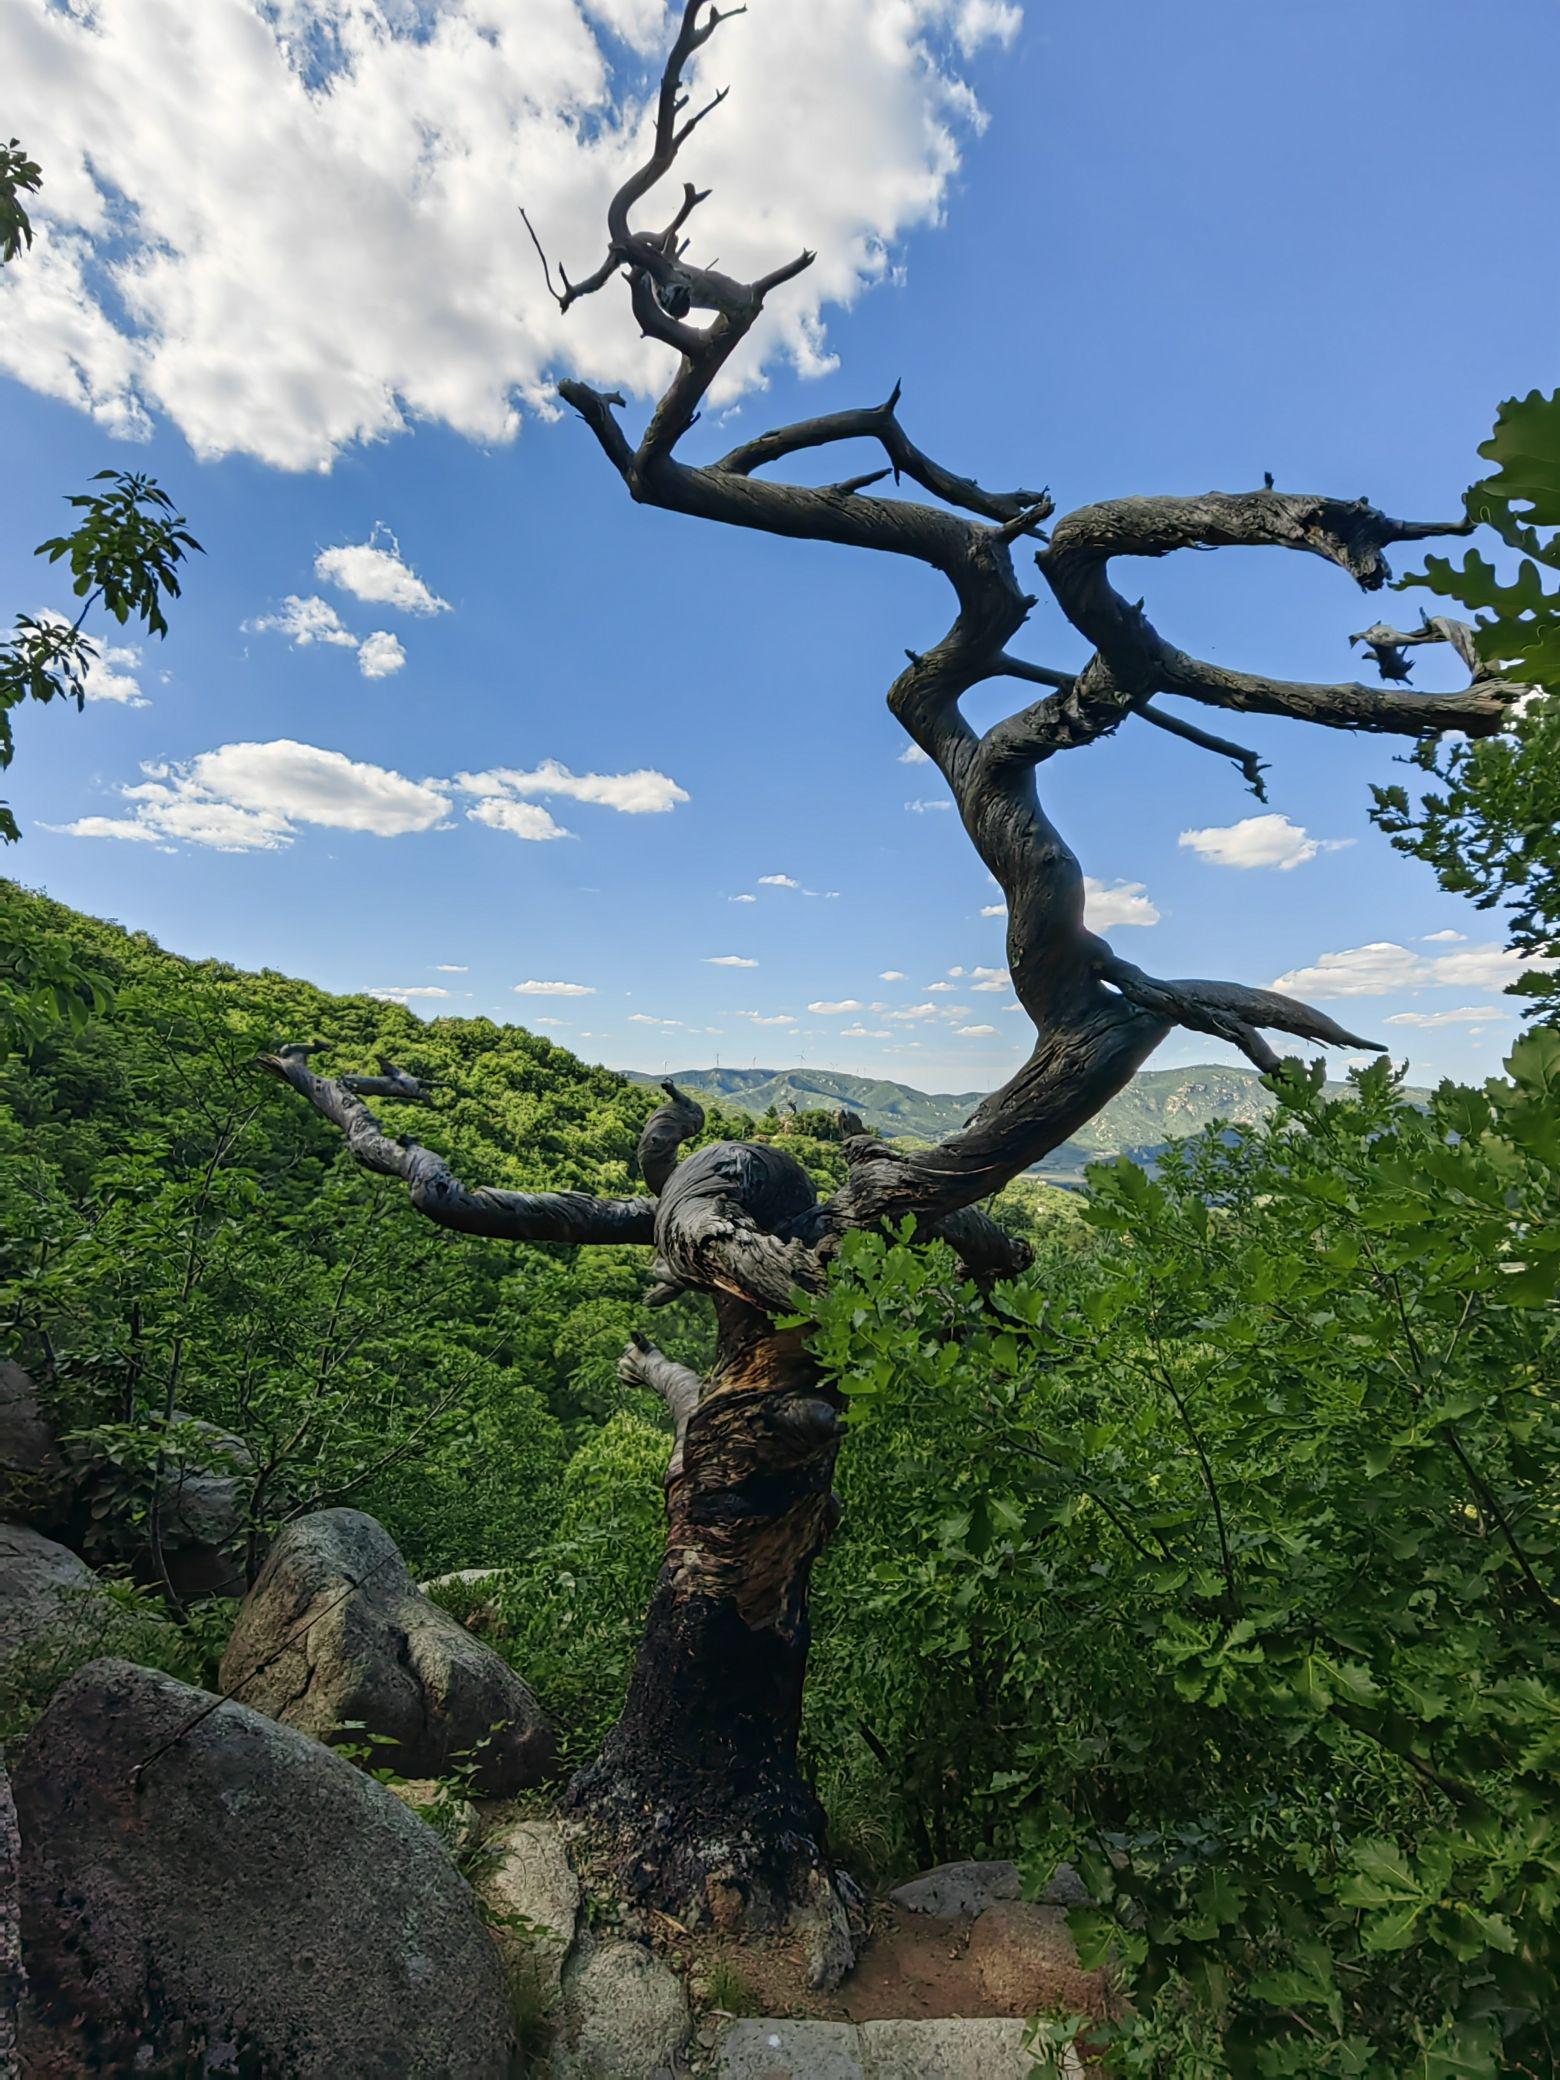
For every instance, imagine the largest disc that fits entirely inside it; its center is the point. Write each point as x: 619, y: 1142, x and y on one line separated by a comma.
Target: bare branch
x: 880, y: 423
x: 642, y: 1365
x: 664, y: 1132
x: 1388, y: 644
x: 435, y: 1191
x: 1250, y: 765
x: 1230, y: 1011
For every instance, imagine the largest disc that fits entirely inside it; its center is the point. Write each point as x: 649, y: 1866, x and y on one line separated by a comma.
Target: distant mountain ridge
x: 1157, y: 1106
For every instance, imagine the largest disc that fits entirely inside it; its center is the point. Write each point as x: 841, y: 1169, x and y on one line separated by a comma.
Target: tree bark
x: 697, y: 1798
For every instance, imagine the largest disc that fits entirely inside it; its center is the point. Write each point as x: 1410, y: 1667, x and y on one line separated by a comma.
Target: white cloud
x: 865, y: 1033
x: 1384, y: 968
x: 1260, y: 841
x: 1123, y: 902
x: 836, y: 1010
x: 1464, y: 1015
x: 290, y: 225
x: 777, y: 881
x: 554, y: 989
x: 640, y: 793
x: 1446, y: 938
x: 252, y: 797
x: 528, y: 820
x: 110, y: 675
x: 305, y: 621
x: 249, y: 797
x: 913, y: 755
x: 403, y: 996
x: 916, y: 1011
x: 974, y: 1032
x: 562, y: 1024
x: 994, y: 910
x: 990, y: 978
x: 108, y: 827
x: 980, y: 20
x: 742, y: 899
x: 315, y: 620
x: 380, y: 654
x: 371, y: 572
x: 926, y: 808
x: 892, y: 975
x: 451, y: 968
x: 781, y: 1018
x: 728, y: 960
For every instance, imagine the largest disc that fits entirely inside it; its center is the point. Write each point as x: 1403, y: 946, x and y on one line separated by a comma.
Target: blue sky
x: 1191, y: 243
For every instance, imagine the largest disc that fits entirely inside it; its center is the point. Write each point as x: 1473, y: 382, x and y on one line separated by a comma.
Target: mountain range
x: 1157, y: 1106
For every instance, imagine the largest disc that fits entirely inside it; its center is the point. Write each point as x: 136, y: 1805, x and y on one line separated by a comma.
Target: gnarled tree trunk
x: 696, y: 1795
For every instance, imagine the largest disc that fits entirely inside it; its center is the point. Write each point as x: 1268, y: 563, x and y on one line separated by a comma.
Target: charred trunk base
x: 696, y: 1802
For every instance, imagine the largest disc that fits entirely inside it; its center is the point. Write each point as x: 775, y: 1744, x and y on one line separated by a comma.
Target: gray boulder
x: 953, y: 1889
x: 625, y: 2015
x: 32, y: 1472
x: 204, y: 1891
x: 49, y: 1599
x: 532, y: 1897
x: 202, y: 1520
x: 336, y: 1633
x: 959, y: 2048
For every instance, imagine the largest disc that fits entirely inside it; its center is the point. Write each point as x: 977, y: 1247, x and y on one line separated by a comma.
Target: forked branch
x: 433, y: 1188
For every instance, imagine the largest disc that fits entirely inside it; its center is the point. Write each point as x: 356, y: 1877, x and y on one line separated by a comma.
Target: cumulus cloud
x: 380, y: 654
x: 554, y: 989
x: 994, y: 910
x: 758, y: 1018
x: 1260, y: 841
x: 1446, y: 938
x: 728, y: 960
x: 305, y: 621
x: 913, y: 755
x: 974, y: 1032
x: 528, y: 820
x: 778, y: 881
x: 1383, y: 968
x: 1123, y: 902
x: 406, y: 996
x: 371, y: 571
x: 289, y: 225
x: 989, y: 978
x: 643, y: 792
x: 110, y: 674
x: 892, y: 975
x: 250, y: 797
x: 865, y: 1033
x: 742, y: 899
x: 845, y: 1005
x: 122, y: 827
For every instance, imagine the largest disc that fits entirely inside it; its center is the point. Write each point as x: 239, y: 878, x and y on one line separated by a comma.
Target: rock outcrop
x: 532, y: 1897
x: 972, y: 2048
x: 335, y: 1633
x: 625, y: 2015
x: 204, y: 1890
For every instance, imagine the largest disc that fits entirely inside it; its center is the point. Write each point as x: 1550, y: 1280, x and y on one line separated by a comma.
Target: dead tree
x: 697, y: 1795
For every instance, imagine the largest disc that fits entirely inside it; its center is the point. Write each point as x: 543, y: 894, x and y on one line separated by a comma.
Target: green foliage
x: 571, y: 1618
x: 181, y: 1242
x: 1492, y: 830
x: 124, y: 554
x: 19, y: 176
x: 1219, y: 1557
